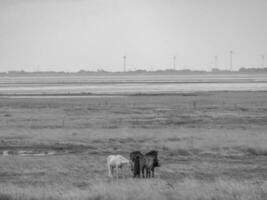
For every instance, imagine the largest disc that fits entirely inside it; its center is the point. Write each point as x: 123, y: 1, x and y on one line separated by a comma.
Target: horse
x: 135, y: 158
x: 146, y: 164
x: 136, y: 166
x: 142, y: 163
x: 155, y: 160
x: 117, y: 162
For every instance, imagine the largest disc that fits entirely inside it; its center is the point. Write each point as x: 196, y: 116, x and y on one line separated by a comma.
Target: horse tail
x: 137, y: 165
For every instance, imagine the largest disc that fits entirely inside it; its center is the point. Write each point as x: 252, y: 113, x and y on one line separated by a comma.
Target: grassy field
x: 212, y: 145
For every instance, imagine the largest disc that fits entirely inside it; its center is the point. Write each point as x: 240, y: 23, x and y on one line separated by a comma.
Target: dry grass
x: 212, y: 149
x: 142, y: 190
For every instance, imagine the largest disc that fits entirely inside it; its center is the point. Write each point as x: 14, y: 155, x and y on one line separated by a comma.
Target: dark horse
x: 135, y: 158
x: 144, y: 163
x: 155, y: 160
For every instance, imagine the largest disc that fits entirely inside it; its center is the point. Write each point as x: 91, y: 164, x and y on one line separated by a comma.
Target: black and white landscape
x: 82, y: 81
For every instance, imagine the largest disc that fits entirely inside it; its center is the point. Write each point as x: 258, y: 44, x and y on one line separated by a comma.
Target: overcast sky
x: 90, y: 34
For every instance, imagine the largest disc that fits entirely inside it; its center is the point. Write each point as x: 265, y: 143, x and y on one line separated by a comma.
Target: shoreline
x: 96, y: 95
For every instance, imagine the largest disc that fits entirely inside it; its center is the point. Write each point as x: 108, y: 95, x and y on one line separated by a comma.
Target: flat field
x: 212, y: 145
x: 134, y: 84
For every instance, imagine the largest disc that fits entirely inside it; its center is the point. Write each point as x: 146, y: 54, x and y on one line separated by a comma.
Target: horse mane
x: 136, y: 152
x: 153, y: 152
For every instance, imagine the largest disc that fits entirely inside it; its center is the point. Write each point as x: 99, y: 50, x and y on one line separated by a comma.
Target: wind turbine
x: 263, y: 60
x: 231, y: 60
x: 124, y: 63
x: 174, y: 62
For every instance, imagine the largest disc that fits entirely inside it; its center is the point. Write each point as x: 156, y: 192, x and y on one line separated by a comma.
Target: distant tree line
x: 133, y: 72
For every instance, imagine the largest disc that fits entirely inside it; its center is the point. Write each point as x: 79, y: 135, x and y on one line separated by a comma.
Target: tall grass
x: 156, y: 189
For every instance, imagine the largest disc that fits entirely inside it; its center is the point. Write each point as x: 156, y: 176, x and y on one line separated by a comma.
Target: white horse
x: 117, y: 162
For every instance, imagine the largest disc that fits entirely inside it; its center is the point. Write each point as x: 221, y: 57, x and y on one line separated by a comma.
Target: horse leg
x: 144, y: 173
x: 139, y: 171
x: 109, y: 171
x: 117, y: 172
x: 146, y: 170
x: 152, y: 170
x: 112, y: 171
x: 137, y: 174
